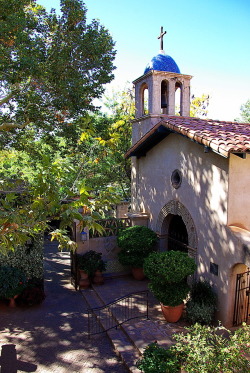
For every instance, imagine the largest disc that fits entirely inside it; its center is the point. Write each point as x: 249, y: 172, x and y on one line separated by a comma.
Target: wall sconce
x: 84, y: 236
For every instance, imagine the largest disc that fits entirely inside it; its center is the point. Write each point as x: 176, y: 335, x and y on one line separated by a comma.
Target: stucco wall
x: 238, y: 196
x: 203, y: 192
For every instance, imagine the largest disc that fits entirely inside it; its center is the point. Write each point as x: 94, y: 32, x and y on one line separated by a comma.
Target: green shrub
x: 206, y: 349
x: 202, y: 303
x: 199, y: 313
x: 157, y: 359
x: 203, y: 293
x: 136, y: 244
x: 12, y: 282
x: 169, y: 266
x: 28, y: 259
x: 168, y: 273
x: 170, y: 294
x: 201, y: 349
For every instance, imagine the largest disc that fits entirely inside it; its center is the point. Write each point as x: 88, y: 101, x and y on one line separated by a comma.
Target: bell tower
x: 156, y: 90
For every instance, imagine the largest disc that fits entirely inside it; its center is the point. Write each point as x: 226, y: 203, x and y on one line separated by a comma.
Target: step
x: 121, y: 343
x: 130, y: 338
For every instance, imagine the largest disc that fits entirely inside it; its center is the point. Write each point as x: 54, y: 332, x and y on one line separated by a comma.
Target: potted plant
x: 90, y: 265
x: 99, y: 267
x: 84, y: 270
x: 12, y: 283
x: 136, y: 243
x: 168, y: 273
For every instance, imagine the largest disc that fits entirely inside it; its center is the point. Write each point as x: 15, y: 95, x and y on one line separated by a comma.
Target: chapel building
x: 190, y: 184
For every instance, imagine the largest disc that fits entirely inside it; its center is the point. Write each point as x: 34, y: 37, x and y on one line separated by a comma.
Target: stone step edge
x: 124, y: 327
x: 123, y: 346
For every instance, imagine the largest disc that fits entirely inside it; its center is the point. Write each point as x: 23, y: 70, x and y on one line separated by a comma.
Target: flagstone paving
x: 51, y: 337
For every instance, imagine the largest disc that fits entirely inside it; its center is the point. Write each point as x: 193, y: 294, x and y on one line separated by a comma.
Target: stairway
x: 131, y: 338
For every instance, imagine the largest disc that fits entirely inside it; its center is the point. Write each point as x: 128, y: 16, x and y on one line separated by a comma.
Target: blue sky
x: 209, y: 40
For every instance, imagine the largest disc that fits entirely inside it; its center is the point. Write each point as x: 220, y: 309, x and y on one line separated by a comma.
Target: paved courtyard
x: 51, y: 337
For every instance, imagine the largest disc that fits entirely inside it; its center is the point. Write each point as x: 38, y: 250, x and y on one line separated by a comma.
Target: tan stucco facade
x: 238, y: 191
x: 211, y: 197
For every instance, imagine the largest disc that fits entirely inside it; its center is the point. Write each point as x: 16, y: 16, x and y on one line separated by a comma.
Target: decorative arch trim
x: 177, y: 208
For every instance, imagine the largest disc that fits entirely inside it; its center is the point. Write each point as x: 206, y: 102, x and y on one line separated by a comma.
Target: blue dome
x: 162, y: 62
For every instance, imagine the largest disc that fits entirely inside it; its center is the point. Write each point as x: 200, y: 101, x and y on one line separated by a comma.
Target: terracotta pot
x: 138, y: 274
x: 172, y: 314
x: 84, y: 281
x: 98, y: 278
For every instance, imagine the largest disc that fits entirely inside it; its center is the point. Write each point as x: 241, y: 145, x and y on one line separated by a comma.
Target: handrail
x: 111, y: 227
x: 113, y: 314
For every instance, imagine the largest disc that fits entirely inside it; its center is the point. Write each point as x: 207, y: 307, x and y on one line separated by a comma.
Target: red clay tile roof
x: 221, y: 136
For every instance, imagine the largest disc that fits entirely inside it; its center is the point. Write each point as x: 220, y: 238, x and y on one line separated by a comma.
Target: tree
x: 51, y: 69
x: 199, y: 105
x: 244, y: 113
x: 115, y: 132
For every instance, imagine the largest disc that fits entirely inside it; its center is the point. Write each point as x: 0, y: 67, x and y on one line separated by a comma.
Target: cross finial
x: 161, y: 37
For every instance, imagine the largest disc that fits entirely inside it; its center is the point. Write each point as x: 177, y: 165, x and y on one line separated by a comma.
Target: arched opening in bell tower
x: 143, y: 100
x: 178, y: 97
x: 164, y: 96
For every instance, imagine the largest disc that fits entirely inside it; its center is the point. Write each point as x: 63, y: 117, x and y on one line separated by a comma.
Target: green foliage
x: 244, y: 113
x: 170, y: 294
x: 137, y: 238
x: 199, y: 105
x: 37, y: 48
x: 132, y: 259
x: 105, y: 162
x: 29, y: 259
x: 136, y: 244
x: 202, y: 303
x: 12, y: 281
x: 157, y: 359
x: 45, y: 119
x: 201, y: 349
x: 205, y: 349
x: 199, y: 313
x: 169, y: 266
x: 90, y: 262
x: 168, y: 272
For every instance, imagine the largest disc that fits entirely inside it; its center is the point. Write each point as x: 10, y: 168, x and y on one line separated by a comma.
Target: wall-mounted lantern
x: 84, y: 236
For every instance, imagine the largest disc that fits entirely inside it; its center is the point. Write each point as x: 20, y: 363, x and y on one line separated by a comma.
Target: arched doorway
x: 240, y: 276
x: 174, y: 220
x: 177, y: 234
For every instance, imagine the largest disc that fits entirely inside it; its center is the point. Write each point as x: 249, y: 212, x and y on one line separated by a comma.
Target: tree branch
x: 10, y: 95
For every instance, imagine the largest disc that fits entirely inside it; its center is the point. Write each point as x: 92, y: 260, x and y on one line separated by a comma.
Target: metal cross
x: 161, y: 37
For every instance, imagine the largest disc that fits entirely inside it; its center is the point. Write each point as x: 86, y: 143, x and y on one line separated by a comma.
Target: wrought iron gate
x: 242, y: 299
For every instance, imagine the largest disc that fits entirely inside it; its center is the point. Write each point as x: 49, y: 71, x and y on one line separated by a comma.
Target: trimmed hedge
x: 29, y: 259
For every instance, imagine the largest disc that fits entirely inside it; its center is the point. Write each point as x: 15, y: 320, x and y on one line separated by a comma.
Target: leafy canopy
x: 244, y: 113
x: 51, y: 69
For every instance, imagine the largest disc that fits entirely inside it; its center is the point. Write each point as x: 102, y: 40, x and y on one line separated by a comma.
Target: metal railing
x: 111, y: 227
x: 132, y: 306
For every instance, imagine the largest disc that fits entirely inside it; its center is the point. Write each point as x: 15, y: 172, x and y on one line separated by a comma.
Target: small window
x: 176, y: 179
